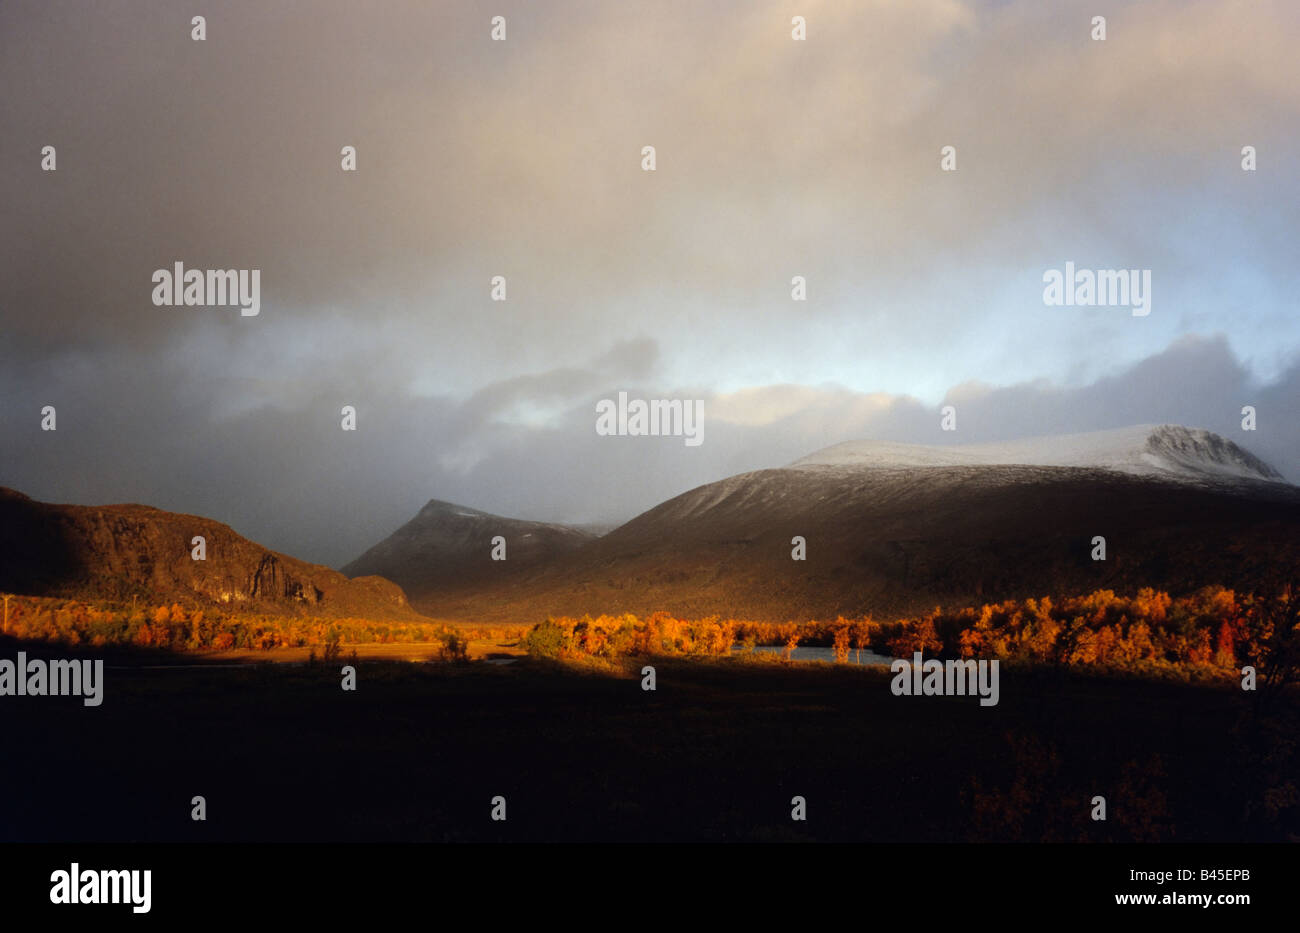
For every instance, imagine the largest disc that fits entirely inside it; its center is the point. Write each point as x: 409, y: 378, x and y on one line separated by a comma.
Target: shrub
x: 546, y: 640
x: 455, y: 647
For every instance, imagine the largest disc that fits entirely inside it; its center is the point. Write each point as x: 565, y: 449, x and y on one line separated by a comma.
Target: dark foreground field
x: 716, y: 753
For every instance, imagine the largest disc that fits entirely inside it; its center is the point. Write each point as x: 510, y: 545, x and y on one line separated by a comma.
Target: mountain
x: 1167, y: 451
x: 448, y: 547
x: 900, y: 528
x: 117, y: 551
x: 889, y: 529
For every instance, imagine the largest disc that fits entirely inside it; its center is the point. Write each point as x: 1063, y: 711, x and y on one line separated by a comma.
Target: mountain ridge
x: 117, y: 551
x: 446, y: 543
x: 1179, y: 507
x: 887, y: 528
x: 1192, y: 453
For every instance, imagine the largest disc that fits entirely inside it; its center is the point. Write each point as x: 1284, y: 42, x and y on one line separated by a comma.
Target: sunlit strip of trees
x: 1214, y: 631
x: 178, y: 628
x: 1211, y: 630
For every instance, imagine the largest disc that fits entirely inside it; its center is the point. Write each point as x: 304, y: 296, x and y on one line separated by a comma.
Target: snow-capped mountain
x: 894, y: 528
x: 1159, y: 450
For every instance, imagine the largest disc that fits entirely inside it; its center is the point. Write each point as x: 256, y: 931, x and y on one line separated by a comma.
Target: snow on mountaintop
x: 1161, y: 450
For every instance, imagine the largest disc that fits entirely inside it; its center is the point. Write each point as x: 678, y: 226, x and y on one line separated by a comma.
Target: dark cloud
x: 294, y: 480
x: 522, y: 159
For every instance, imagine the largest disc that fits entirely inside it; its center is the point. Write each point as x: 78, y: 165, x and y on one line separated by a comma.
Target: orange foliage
x: 1211, y: 630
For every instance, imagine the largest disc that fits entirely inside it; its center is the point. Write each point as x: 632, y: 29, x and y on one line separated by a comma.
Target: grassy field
x: 717, y: 752
x: 480, y: 649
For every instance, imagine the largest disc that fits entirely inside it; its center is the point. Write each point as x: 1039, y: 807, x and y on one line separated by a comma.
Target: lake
x: 815, y: 653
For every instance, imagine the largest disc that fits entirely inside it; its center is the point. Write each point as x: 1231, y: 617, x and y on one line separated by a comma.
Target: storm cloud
x: 523, y: 159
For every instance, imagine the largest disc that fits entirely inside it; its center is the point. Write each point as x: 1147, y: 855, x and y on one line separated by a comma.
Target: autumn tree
x: 1270, y: 641
x: 842, y: 639
x: 862, y: 631
x: 916, y: 635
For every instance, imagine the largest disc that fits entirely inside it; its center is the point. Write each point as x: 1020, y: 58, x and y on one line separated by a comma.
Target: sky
x: 523, y: 158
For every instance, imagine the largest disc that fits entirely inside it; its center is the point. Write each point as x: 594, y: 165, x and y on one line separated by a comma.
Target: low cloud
x: 290, y: 478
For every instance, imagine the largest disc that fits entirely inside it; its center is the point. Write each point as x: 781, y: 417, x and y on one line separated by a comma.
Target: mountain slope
x: 1168, y: 451
x: 117, y: 551
x: 450, y: 546
x: 897, y: 531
